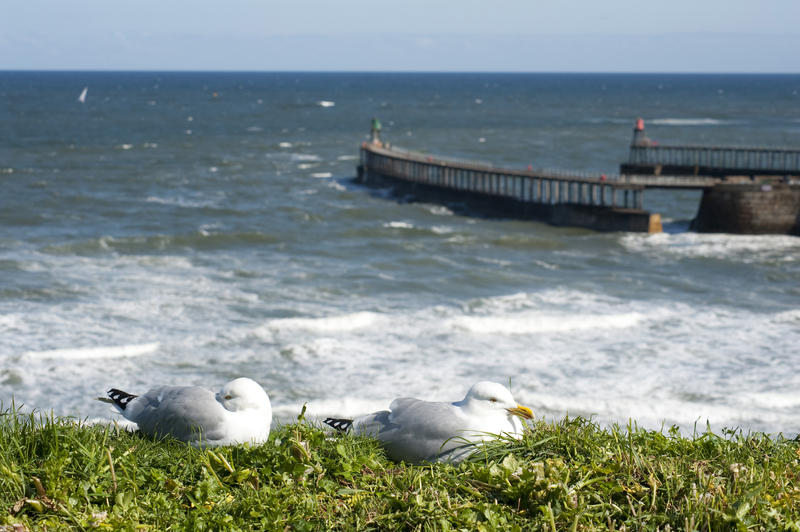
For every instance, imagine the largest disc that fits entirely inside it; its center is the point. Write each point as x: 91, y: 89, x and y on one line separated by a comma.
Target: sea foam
x: 685, y: 121
x: 95, y: 352
x: 341, y: 323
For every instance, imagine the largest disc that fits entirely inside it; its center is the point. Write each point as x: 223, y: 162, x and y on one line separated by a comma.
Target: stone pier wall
x: 749, y: 209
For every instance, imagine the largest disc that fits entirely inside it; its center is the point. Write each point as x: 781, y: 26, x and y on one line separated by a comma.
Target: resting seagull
x: 422, y: 431
x: 240, y: 412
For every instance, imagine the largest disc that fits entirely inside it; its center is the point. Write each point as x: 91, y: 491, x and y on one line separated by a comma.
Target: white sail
x: 82, y: 97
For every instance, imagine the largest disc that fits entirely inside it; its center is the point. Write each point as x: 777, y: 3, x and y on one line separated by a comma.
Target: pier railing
x: 529, y: 186
x: 770, y: 160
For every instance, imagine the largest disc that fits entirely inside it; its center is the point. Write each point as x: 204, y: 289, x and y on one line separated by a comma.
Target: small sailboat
x: 82, y: 97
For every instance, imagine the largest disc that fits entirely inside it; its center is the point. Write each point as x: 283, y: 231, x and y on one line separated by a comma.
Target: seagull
x: 239, y: 413
x: 423, y: 431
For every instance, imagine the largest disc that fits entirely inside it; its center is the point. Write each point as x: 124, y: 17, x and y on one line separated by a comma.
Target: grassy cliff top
x: 571, y: 475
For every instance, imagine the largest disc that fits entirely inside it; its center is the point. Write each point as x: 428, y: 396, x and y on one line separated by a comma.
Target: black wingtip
x: 339, y: 424
x: 120, y: 398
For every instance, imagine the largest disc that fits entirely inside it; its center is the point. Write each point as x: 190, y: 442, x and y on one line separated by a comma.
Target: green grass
x: 571, y: 475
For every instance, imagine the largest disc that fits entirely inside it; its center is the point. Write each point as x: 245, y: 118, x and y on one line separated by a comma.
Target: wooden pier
x: 745, y: 190
x: 558, y: 198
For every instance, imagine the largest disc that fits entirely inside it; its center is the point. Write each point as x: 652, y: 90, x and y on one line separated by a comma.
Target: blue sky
x: 412, y: 35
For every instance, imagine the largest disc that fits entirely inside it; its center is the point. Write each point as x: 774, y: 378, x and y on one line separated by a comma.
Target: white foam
x: 747, y: 248
x: 345, y: 407
x: 181, y: 201
x: 619, y: 408
x: 686, y: 121
x: 440, y: 210
x: 285, y: 144
x: 789, y: 316
x: 321, y: 175
x: 343, y: 323
x: 95, y: 352
x: 304, y: 157
x: 9, y: 321
x: 530, y: 323
x: 347, y: 158
x: 771, y: 400
x: 399, y: 225
x: 326, y: 103
x: 125, y: 146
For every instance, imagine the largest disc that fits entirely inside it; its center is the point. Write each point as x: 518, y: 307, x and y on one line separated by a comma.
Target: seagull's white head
x: 488, y: 397
x: 244, y: 394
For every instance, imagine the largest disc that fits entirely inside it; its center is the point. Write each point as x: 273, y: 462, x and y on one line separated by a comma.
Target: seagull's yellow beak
x: 522, y: 411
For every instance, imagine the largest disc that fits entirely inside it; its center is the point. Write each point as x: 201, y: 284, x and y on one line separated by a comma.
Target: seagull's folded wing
x: 415, y: 430
x: 187, y: 413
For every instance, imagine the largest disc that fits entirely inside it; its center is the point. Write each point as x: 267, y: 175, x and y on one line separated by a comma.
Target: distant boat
x: 82, y: 97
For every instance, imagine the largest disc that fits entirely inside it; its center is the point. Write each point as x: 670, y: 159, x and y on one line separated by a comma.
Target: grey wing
x: 373, y: 425
x: 185, y: 412
x: 417, y: 430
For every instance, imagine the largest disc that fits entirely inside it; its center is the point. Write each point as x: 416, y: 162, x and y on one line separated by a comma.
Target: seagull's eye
x: 228, y: 397
x: 493, y: 399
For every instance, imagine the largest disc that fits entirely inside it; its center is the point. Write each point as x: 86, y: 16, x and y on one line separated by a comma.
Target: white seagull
x: 240, y: 412
x: 422, y: 431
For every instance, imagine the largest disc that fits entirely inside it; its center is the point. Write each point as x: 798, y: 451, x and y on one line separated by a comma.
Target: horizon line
x: 346, y: 71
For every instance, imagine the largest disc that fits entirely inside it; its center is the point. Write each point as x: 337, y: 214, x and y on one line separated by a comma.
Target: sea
x: 192, y: 227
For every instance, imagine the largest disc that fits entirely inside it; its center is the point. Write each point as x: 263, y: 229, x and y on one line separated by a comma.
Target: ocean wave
x: 180, y: 201
x: 119, y: 351
x: 604, y: 120
x: 531, y: 323
x: 789, y: 316
x: 341, y: 323
x: 440, y: 210
x: 10, y: 321
x: 620, y: 408
x: 771, y: 400
x: 318, y: 410
x: 399, y: 225
x: 304, y: 157
x: 202, y: 239
x: 748, y: 248
x: 688, y: 121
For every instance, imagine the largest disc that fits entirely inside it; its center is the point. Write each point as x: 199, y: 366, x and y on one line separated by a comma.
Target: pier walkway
x: 558, y: 198
x: 534, y: 186
x: 745, y: 190
x: 649, y: 157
